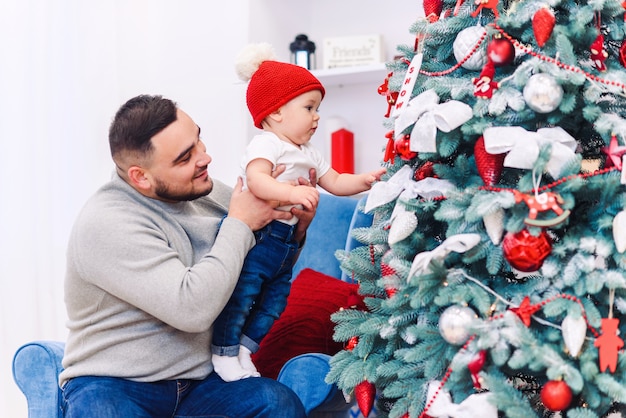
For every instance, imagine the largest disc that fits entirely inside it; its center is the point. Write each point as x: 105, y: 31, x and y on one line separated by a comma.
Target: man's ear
x: 138, y: 178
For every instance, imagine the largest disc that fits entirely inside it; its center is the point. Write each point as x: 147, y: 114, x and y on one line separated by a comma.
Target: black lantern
x: 303, y: 52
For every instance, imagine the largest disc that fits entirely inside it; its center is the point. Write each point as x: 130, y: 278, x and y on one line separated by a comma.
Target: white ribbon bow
x: 523, y: 146
x: 402, y: 183
x: 459, y: 243
x: 428, y: 115
x: 475, y: 406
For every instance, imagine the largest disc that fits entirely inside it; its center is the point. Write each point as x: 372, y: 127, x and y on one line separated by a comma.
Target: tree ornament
x: 352, y: 342
x: 391, y: 96
x: 403, y: 224
x: 574, y: 331
x: 542, y: 202
x: 365, y: 392
x: 501, y: 51
x: 390, y: 149
x: 614, y: 153
x: 402, y: 147
x: 622, y: 53
x: 525, y: 310
x: 556, y: 395
x: 542, y: 93
x: 484, y: 86
x: 543, y: 24
x: 494, y: 225
x: 526, y: 252
x: 619, y: 231
x: 489, y: 165
x: 468, y: 44
x: 454, y: 323
x: 425, y: 170
x: 486, y: 4
x: 432, y: 9
x: 391, y: 280
x: 609, y: 343
x: 599, y: 53
x: 475, y: 366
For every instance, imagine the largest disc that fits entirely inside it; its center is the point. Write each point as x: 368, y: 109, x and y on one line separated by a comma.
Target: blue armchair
x: 36, y: 365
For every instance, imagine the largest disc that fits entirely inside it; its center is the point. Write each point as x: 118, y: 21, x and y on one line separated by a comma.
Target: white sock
x: 245, y: 359
x: 229, y: 368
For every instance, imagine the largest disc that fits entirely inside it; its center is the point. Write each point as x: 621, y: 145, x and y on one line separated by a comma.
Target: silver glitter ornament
x: 542, y: 93
x: 454, y: 323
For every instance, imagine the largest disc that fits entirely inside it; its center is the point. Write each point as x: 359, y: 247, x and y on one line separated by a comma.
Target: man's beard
x: 163, y: 191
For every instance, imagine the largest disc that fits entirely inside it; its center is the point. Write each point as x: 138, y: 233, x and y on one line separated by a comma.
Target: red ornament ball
x: 526, y: 252
x: 501, y: 51
x: 403, y: 150
x: 556, y: 395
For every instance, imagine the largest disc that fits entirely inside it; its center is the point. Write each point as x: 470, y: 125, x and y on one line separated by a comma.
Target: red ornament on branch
x: 598, y: 53
x: 525, y: 310
x: 432, y: 9
x: 556, y: 395
x: 489, y: 165
x: 352, y: 342
x: 501, y: 51
x: 543, y: 24
x: 609, y: 344
x: 365, y: 392
x: 390, y: 149
x: 391, y: 96
x: 526, y: 252
x: 476, y: 365
x: 484, y: 86
x: 402, y: 148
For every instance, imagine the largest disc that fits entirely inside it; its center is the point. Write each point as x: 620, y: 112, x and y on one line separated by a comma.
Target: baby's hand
x: 373, y: 176
x: 306, y: 196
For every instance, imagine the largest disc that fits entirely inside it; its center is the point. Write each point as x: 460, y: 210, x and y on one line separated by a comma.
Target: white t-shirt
x: 297, y: 160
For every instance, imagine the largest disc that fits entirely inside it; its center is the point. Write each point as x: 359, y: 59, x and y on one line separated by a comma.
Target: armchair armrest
x: 36, y: 368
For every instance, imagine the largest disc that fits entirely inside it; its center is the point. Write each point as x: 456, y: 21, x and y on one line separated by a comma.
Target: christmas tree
x: 494, y: 272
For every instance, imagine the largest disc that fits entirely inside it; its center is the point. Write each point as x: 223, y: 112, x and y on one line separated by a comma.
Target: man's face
x: 177, y: 170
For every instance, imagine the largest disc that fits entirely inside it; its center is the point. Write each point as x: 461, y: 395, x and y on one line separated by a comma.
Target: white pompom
x: 251, y: 58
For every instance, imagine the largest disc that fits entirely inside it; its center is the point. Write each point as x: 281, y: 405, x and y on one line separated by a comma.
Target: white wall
x: 66, y: 66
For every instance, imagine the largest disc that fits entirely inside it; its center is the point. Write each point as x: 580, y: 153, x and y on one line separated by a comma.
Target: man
x: 152, y: 259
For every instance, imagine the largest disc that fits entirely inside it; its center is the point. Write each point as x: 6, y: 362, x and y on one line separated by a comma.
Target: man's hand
x: 305, y: 216
x: 254, y: 212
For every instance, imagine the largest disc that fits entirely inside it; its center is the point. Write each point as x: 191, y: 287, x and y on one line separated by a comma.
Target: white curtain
x: 65, y: 67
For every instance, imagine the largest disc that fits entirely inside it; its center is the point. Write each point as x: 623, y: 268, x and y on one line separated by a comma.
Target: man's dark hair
x: 136, y: 122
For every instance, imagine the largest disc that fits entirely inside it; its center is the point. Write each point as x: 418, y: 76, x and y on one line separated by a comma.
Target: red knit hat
x: 272, y: 83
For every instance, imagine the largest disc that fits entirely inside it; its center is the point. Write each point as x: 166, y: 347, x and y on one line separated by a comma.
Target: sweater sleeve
x: 148, y: 261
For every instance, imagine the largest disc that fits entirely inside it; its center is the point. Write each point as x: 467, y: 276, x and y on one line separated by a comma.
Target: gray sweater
x: 145, y: 280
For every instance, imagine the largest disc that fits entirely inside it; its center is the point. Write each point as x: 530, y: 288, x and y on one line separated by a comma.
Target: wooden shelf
x: 338, y: 77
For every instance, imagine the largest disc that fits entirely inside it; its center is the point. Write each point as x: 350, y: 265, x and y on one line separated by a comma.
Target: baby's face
x: 297, y: 120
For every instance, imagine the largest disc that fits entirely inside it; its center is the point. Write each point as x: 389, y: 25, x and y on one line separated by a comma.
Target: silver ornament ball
x: 454, y: 323
x: 542, y: 93
x: 463, y: 44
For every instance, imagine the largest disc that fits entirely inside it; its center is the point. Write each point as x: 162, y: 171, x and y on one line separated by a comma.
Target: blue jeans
x: 110, y: 397
x: 261, y: 292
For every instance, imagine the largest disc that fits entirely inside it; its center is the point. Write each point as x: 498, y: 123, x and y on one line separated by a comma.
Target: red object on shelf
x: 342, y: 151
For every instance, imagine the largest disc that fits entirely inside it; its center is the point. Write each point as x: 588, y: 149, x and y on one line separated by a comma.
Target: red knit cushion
x: 305, y: 325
